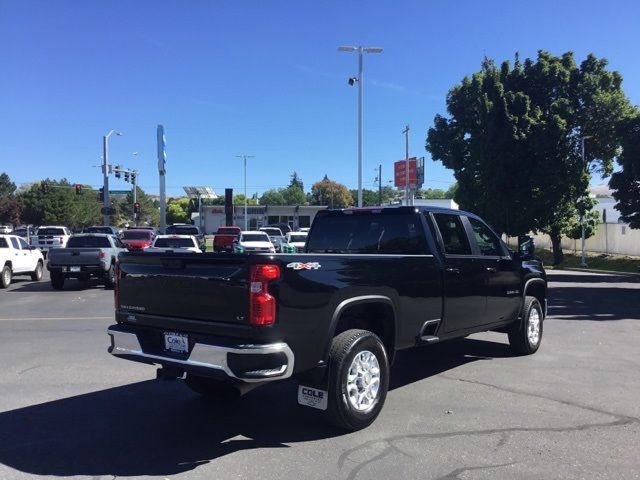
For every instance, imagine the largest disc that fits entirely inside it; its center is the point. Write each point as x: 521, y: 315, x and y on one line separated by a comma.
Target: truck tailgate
x: 74, y: 256
x: 184, y: 285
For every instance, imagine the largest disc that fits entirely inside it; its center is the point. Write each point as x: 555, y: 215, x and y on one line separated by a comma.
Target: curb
x: 593, y: 270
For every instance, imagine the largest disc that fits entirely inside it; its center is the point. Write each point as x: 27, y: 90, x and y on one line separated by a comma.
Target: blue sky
x: 263, y: 78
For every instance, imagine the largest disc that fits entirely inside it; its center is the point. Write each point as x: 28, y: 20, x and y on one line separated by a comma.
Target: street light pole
x: 246, y: 219
x: 406, y: 165
x: 105, y: 174
x: 360, y: 50
x: 583, y: 262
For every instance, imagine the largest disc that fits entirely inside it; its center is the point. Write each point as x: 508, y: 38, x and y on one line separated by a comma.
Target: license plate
x: 312, y: 397
x: 74, y: 269
x: 176, y: 342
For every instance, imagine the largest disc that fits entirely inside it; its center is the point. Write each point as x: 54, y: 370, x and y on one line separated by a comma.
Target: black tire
x: 5, y: 277
x: 36, y: 275
x: 110, y: 277
x: 522, y: 336
x: 212, y: 389
x: 345, y: 347
x: 57, y: 281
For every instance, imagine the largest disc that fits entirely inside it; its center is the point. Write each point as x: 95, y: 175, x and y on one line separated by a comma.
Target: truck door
x: 502, y: 281
x: 464, y: 276
x: 19, y: 259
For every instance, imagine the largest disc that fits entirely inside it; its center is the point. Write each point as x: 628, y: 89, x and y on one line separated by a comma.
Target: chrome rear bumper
x: 207, y: 357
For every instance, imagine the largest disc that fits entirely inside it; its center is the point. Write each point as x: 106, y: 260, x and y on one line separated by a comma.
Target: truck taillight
x: 262, y: 306
x: 101, y: 255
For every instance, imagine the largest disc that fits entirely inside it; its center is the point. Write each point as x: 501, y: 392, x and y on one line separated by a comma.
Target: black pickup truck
x: 371, y: 282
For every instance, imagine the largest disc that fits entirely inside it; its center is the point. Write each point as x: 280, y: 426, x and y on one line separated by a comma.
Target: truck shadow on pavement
x: 160, y: 428
x: 45, y: 286
x: 585, y: 297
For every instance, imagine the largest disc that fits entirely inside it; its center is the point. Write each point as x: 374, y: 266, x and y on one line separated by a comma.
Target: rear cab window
x: 88, y: 242
x: 453, y: 234
x: 368, y: 232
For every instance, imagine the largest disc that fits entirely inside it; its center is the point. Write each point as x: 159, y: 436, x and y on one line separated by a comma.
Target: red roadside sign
x: 400, y: 172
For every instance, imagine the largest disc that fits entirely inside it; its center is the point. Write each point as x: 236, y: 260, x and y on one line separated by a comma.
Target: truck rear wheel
x: 36, y: 276
x: 5, y: 277
x: 57, y: 281
x: 358, y: 379
x: 526, y: 334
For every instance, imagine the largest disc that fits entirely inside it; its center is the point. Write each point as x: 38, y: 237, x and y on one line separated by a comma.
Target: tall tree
x: 7, y: 187
x: 626, y: 183
x: 514, y: 134
x: 330, y: 193
x: 272, y: 197
x: 296, y: 181
x: 10, y: 210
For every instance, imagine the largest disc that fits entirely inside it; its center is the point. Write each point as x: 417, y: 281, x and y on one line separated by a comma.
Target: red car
x: 223, y: 240
x: 137, y: 240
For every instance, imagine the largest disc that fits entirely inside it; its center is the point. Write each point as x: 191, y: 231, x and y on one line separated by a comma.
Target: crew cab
x: 370, y: 283
x: 137, y: 240
x: 224, y: 238
x: 175, y: 243
x: 87, y: 256
x: 50, y: 237
x: 18, y: 258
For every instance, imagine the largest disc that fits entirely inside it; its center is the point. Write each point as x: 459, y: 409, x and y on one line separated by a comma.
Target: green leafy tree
x: 294, y: 195
x: 239, y: 200
x: 626, y: 183
x: 272, y: 197
x: 178, y: 210
x: 10, y: 210
x: 451, y: 191
x: 330, y: 193
x: 513, y: 139
x: 296, y: 181
x: 431, y: 193
x: 7, y: 187
x: 369, y: 197
x: 60, y: 205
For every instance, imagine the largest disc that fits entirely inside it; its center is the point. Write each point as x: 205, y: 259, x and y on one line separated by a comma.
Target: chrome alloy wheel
x: 533, y: 327
x: 6, y: 276
x: 363, y: 381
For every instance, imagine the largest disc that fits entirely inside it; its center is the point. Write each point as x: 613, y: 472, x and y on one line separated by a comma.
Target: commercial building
x: 297, y: 216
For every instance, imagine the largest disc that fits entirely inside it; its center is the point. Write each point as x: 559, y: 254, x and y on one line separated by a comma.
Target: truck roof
x: 392, y: 210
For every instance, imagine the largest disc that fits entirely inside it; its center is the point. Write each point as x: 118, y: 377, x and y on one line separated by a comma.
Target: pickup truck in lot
x: 49, y: 238
x: 371, y: 282
x: 18, y: 258
x: 224, y: 238
x: 86, y: 256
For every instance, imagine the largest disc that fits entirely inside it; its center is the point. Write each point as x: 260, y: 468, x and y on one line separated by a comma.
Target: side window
x: 453, y: 234
x: 487, y: 242
x: 23, y: 244
x: 15, y: 243
x: 3, y: 243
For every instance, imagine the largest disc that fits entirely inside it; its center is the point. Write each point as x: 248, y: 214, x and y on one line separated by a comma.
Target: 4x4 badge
x: 304, y: 266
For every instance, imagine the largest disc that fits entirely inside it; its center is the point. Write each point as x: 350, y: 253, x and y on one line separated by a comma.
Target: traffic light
x: 133, y: 177
x: 117, y: 170
x: 101, y: 195
x: 78, y: 189
x: 126, y: 176
x: 136, y: 207
x: 44, y: 187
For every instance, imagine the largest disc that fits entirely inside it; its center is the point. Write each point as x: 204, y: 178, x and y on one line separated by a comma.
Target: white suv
x: 50, y: 237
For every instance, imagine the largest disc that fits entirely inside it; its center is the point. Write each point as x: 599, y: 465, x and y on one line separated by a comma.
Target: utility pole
x: 406, y: 165
x: 583, y: 262
x: 162, y: 161
x: 246, y: 218
x: 135, y: 195
x: 380, y: 185
x: 360, y: 50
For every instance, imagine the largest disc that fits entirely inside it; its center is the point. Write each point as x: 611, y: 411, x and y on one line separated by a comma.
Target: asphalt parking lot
x: 466, y: 410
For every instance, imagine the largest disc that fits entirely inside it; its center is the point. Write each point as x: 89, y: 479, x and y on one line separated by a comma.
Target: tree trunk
x: 558, y: 256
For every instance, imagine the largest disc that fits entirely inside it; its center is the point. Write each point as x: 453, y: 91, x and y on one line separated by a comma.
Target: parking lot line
x: 53, y: 318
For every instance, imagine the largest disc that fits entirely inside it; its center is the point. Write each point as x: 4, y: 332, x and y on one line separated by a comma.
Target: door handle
x: 492, y: 269
x: 452, y: 270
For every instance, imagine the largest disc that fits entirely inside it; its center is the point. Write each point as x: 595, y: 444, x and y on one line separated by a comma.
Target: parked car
x: 276, y: 237
x: 153, y: 230
x: 184, y: 229
x: 102, y: 229
x: 137, y: 239
x: 86, y: 256
x: 373, y: 281
x: 297, y: 240
x: 252, y: 241
x: 224, y: 238
x: 50, y: 237
x: 284, y: 227
x: 25, y: 232
x: 303, y: 229
x: 17, y: 257
x: 6, y: 229
x: 175, y: 243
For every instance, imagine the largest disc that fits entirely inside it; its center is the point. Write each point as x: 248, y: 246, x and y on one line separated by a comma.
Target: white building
x: 213, y: 216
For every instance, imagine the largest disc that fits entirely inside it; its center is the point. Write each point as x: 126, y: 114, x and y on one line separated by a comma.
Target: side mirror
x: 526, y: 246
